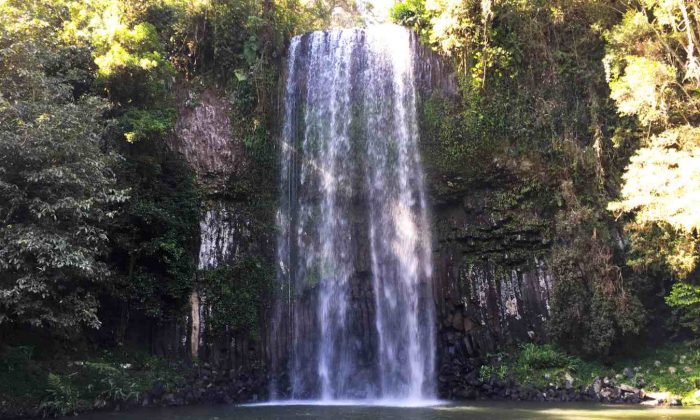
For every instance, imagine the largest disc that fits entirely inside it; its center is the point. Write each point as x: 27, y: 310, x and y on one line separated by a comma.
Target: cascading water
x: 354, y: 241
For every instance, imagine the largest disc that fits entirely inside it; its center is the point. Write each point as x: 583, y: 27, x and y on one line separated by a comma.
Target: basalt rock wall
x: 229, y: 233
x: 491, y: 277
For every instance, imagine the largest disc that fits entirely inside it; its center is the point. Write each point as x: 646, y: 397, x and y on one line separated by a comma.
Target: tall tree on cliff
x: 653, y: 67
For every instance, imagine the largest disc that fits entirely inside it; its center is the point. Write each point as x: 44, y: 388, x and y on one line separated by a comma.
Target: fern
x: 62, y: 397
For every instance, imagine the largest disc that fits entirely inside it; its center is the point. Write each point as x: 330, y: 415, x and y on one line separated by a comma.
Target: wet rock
x: 629, y: 388
x: 651, y: 403
x: 169, y: 399
x: 458, y: 321
x: 472, y: 378
x: 158, y: 390
x: 466, y: 394
x: 597, y: 386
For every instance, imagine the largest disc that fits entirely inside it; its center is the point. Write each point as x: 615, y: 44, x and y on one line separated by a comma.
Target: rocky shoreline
x: 463, y: 383
x: 208, y: 385
x: 601, y: 390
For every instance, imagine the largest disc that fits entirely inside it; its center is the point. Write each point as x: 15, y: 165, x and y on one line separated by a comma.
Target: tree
x: 57, y: 186
x: 654, y: 73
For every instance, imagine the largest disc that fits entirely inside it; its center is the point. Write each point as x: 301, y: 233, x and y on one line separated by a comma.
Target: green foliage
x: 538, y: 365
x: 62, y: 396
x: 236, y: 295
x: 593, y: 303
x: 686, y: 297
x: 57, y: 185
x: 149, y: 123
x: 105, y: 380
x: 65, y: 244
x: 653, y: 69
x: 660, y: 189
x: 486, y: 372
x: 408, y: 13
x: 19, y: 375
x: 60, y: 387
x: 533, y: 356
x: 460, y: 138
x: 156, y: 237
x: 131, y: 59
x: 673, y: 367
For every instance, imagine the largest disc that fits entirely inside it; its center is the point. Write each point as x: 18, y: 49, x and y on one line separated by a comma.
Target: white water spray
x: 354, y: 243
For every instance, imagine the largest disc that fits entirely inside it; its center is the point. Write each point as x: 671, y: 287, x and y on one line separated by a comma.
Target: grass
x: 673, y: 368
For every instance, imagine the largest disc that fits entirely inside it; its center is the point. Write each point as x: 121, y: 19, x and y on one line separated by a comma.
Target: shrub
x: 533, y: 356
x: 62, y: 398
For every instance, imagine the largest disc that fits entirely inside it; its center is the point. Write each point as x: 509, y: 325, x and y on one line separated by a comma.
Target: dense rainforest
x: 570, y: 137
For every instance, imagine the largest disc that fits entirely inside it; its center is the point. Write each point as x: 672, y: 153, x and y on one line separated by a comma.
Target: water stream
x: 354, y: 244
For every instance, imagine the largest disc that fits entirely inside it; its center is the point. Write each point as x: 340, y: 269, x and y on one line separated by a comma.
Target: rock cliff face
x: 492, y: 286
x: 491, y: 279
x: 491, y: 276
x: 203, y: 134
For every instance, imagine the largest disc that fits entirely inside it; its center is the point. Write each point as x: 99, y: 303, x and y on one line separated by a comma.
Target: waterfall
x: 354, y: 238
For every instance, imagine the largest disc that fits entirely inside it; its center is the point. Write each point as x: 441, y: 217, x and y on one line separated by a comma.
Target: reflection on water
x: 477, y: 411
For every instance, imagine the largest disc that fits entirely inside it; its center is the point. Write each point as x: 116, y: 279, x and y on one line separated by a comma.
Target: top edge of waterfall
x: 376, y: 27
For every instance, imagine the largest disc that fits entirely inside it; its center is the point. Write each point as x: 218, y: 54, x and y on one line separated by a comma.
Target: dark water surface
x: 478, y: 411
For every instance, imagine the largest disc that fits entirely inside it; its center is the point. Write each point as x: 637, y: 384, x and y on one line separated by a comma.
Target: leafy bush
x: 686, y: 298
x: 533, y: 356
x: 111, y: 382
x: 104, y: 380
x: 531, y: 363
x: 15, y: 358
x: 486, y: 372
x: 235, y: 295
x: 141, y: 124
x: 20, y: 376
x: 408, y: 13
